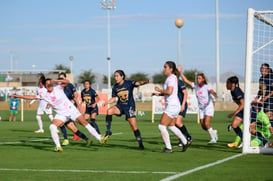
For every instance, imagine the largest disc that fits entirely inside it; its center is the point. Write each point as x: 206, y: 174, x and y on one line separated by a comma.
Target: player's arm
x: 97, y: 99
x: 185, y: 97
x: 64, y: 82
x: 29, y: 97
x: 213, y: 93
x: 110, y: 101
x: 139, y: 83
x: 240, y: 108
x: 187, y: 81
x: 168, y: 91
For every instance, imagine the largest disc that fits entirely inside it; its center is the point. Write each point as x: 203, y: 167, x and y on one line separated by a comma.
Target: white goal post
x: 259, y: 50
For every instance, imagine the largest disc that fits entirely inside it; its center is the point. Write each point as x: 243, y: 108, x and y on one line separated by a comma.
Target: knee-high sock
x: 238, y: 131
x: 138, y: 136
x: 81, y: 135
x: 40, y: 122
x: 108, y: 122
x: 184, y: 131
x: 94, y: 124
x: 165, y: 136
x: 54, y: 134
x: 50, y: 116
x: 178, y: 133
x: 92, y: 131
x: 212, y: 133
x: 64, y: 131
x: 260, y: 136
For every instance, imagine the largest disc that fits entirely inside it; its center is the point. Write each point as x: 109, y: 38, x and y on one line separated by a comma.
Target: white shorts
x: 42, y: 108
x: 172, y: 111
x: 72, y: 113
x: 207, y: 111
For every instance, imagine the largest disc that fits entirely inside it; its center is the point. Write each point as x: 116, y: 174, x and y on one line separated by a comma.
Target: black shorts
x: 184, y: 112
x: 128, y: 111
x: 91, y: 110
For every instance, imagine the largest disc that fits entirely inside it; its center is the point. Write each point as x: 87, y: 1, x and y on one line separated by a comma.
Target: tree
x: 105, y: 79
x: 87, y: 75
x: 159, y: 78
x: 190, y: 74
x: 139, y: 76
x: 65, y: 68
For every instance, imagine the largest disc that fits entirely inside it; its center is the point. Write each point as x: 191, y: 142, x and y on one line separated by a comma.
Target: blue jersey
x: 13, y: 104
x: 69, y: 91
x: 124, y: 93
x: 266, y: 86
x: 181, y: 87
x: 88, y: 96
x: 237, y: 94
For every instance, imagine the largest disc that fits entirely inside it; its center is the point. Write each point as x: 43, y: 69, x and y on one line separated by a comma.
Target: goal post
x: 259, y: 50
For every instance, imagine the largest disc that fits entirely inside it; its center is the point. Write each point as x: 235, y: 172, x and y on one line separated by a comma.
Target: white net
x: 259, y: 83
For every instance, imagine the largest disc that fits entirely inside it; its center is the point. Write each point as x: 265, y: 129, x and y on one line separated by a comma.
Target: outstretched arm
x: 29, y: 97
x: 179, y: 68
x: 139, y: 83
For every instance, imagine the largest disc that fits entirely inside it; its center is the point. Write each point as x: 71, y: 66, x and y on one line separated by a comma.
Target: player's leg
x: 93, y: 121
x: 238, y: 130
x: 54, y: 132
x: 114, y: 110
x: 132, y: 122
x: 164, y: 122
x: 70, y: 125
x: 182, y: 127
x: 14, y: 116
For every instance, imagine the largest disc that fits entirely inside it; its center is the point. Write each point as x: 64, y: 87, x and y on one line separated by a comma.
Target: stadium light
x: 108, y: 5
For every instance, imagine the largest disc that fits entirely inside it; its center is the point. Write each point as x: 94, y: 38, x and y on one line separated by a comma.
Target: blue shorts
x: 240, y: 114
x: 91, y: 110
x: 184, y: 112
x: 128, y: 111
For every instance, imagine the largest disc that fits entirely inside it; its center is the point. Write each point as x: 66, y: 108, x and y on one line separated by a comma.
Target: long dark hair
x: 42, y: 79
x: 172, y: 65
x: 204, y: 77
x: 234, y: 80
x: 121, y: 73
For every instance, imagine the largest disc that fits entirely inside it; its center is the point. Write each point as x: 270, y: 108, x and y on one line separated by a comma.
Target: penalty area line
x: 86, y: 171
x: 200, y: 168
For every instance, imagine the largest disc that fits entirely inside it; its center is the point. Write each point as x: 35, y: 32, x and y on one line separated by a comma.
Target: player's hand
x: 231, y: 115
x: 157, y: 89
x: 155, y: 94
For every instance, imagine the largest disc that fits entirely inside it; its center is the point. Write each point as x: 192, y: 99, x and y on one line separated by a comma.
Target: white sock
x: 93, y: 132
x: 50, y: 116
x: 40, y: 122
x: 53, y: 130
x: 165, y: 136
x: 212, y: 133
x: 178, y: 133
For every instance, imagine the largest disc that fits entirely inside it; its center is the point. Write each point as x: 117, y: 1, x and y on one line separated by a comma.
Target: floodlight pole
x: 179, y: 22
x: 217, y: 51
x: 108, y: 5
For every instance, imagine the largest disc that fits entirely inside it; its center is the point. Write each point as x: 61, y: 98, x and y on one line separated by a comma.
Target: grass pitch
x: 27, y: 156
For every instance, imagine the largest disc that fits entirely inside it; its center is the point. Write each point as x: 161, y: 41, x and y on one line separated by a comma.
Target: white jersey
x: 203, y: 95
x: 171, y: 100
x: 60, y: 103
x: 42, y: 104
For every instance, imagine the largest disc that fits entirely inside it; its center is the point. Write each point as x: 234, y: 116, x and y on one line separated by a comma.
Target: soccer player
x: 172, y: 109
x: 13, y: 107
x: 70, y: 92
x: 206, y: 108
x: 261, y: 128
x: 182, y: 95
x: 64, y: 109
x: 237, y: 94
x: 42, y: 108
x: 123, y: 90
x: 90, y: 98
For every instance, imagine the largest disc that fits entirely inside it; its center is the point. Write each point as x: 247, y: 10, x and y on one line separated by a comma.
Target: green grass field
x: 27, y: 156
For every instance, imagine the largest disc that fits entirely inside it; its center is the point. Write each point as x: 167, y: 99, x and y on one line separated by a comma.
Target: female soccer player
x: 172, y: 109
x: 182, y: 95
x: 42, y: 108
x: 206, y: 108
x: 64, y: 109
x: 90, y: 98
x: 237, y: 94
x: 123, y: 90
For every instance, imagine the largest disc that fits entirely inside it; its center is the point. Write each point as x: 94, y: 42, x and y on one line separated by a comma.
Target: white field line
x: 200, y: 168
x: 38, y: 140
x: 86, y: 171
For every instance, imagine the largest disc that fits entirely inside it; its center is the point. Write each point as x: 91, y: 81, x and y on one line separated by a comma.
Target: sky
x: 40, y: 34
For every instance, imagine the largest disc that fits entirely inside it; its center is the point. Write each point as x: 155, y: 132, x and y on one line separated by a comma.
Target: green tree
x: 65, y: 68
x: 105, y: 79
x: 191, y: 75
x: 159, y: 78
x: 139, y: 76
x: 86, y: 75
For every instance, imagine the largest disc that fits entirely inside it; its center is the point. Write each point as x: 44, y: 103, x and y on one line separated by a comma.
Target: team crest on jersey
x: 123, y: 95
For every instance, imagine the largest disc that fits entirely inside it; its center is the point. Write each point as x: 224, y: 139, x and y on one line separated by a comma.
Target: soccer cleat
x: 88, y: 142
x: 167, y: 150
x: 255, y: 142
x: 271, y: 144
x: 141, y: 147
x: 58, y: 149
x: 186, y: 146
x: 179, y: 144
x: 76, y: 138
x: 229, y: 127
x: 212, y: 141
x: 231, y: 145
x: 39, y: 131
x: 240, y: 145
x: 106, y: 137
x: 65, y: 142
x: 216, y: 135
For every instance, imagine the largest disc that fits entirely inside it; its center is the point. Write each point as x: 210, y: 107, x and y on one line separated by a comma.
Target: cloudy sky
x: 41, y: 34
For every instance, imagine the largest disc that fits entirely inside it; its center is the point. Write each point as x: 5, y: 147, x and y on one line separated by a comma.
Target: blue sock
x: 94, y: 124
x: 64, y: 131
x: 138, y: 137
x: 238, y: 131
x: 81, y: 135
x: 108, y: 122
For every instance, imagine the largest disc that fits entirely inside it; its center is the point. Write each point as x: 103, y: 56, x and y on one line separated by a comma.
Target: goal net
x: 258, y: 82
